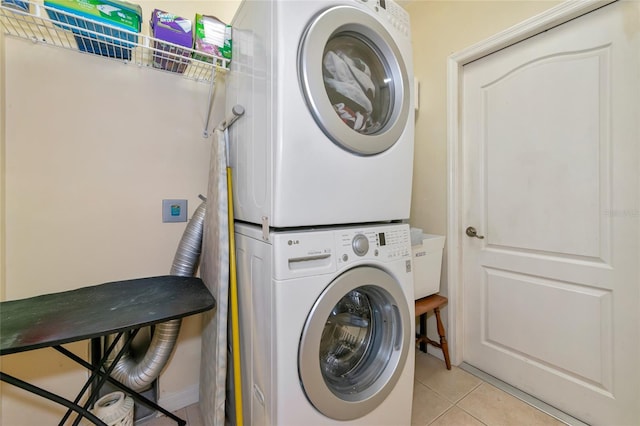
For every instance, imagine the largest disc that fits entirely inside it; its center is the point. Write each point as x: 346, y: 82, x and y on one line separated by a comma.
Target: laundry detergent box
x: 213, y: 37
x: 111, y: 26
x: 172, y: 56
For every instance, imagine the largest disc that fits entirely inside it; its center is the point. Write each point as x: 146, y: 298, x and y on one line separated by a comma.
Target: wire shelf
x: 84, y: 35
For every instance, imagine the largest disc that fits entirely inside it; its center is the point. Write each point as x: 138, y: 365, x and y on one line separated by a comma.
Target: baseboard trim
x: 177, y: 400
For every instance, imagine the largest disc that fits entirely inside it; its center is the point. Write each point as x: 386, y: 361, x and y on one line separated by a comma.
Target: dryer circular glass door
x: 355, y: 343
x: 354, y: 80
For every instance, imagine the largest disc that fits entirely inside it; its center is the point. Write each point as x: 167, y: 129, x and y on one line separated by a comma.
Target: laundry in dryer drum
x: 119, y: 21
x: 351, y: 87
x: 212, y: 36
x: 178, y: 32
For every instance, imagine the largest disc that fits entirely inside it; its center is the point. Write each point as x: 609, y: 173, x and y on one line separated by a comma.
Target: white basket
x: 115, y: 409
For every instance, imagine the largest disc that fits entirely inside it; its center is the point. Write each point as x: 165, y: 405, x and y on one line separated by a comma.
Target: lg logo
x: 293, y: 242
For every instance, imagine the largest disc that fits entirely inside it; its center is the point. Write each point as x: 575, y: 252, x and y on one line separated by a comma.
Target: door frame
x: 544, y: 21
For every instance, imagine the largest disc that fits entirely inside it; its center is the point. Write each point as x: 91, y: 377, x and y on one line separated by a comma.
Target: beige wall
x: 2, y: 157
x: 90, y: 147
x: 439, y: 29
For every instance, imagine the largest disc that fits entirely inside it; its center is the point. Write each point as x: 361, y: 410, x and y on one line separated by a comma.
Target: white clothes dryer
x: 327, y: 325
x: 328, y: 133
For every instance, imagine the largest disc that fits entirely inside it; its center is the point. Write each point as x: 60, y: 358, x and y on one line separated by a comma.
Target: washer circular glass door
x: 358, y: 89
x: 354, y: 344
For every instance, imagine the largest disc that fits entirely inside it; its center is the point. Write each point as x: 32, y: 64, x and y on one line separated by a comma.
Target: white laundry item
x: 360, y: 121
x: 361, y: 72
x: 215, y: 274
x: 342, y: 79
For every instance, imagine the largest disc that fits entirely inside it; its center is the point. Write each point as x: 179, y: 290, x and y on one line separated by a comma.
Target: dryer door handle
x: 397, y: 320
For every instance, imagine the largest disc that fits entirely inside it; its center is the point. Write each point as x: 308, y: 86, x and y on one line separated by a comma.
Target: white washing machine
x: 328, y: 133
x: 327, y: 325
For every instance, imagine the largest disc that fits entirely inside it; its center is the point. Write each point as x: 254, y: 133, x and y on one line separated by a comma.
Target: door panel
x: 559, y: 163
x: 514, y: 328
x: 550, y: 179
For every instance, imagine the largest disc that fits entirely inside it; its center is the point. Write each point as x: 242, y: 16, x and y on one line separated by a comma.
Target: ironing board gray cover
x: 215, y: 274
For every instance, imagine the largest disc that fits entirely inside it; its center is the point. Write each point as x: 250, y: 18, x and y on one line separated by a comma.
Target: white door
x: 550, y: 155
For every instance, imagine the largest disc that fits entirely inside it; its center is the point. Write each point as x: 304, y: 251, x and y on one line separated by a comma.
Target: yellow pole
x: 235, y: 322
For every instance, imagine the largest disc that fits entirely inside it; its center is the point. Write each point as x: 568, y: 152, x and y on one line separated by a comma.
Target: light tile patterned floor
x: 457, y: 398
x: 441, y: 398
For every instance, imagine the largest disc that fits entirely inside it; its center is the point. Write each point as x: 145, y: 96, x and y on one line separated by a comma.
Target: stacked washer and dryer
x: 322, y: 167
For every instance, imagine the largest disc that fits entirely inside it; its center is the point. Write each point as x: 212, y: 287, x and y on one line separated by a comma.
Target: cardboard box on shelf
x: 174, y: 55
x: 211, y: 36
x: 104, y: 22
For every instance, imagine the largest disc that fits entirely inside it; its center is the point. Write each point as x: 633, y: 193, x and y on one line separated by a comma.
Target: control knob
x: 360, y: 245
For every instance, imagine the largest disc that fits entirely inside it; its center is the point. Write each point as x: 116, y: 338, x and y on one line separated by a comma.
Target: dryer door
x: 358, y: 89
x: 355, y: 343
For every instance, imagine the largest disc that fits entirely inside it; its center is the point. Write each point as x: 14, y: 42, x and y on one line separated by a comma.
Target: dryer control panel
x: 391, y: 12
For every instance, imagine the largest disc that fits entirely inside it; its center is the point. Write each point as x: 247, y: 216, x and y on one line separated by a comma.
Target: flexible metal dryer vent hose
x: 137, y: 371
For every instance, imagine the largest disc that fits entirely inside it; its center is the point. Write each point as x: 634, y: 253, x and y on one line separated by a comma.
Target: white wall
x: 439, y: 29
x: 90, y: 147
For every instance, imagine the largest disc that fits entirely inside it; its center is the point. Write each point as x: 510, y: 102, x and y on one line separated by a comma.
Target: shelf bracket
x: 206, y: 133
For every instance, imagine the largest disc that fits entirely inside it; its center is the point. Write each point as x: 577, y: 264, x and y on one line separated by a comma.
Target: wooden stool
x: 424, y: 305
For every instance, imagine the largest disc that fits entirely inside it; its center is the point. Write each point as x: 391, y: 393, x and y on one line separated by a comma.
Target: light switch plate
x: 174, y: 210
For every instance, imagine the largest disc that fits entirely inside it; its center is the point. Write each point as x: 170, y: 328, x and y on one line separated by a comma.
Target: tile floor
x: 458, y: 398
x: 441, y: 398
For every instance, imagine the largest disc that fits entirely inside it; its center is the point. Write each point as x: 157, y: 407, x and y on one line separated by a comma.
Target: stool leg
x: 423, y: 332
x: 443, y: 339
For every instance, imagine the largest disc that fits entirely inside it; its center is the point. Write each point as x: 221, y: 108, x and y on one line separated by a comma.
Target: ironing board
x: 120, y: 308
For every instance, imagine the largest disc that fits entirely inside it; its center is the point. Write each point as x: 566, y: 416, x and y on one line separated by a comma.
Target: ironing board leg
x: 52, y: 397
x: 135, y: 395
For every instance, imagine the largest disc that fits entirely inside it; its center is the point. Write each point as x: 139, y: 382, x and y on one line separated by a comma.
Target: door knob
x: 471, y: 232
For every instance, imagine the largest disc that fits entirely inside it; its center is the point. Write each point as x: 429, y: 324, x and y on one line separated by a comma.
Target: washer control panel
x: 323, y: 251
x: 360, y: 244
x: 383, y: 243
